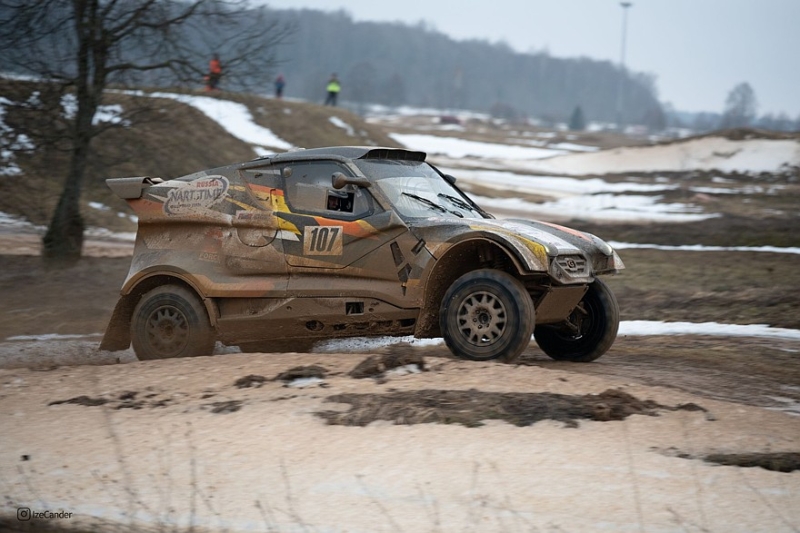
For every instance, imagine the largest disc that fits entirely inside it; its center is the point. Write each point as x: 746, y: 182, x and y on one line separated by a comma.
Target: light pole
x: 621, y: 84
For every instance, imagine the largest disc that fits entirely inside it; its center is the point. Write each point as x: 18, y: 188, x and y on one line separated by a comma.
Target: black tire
x: 588, y: 333
x: 170, y: 321
x: 487, y: 314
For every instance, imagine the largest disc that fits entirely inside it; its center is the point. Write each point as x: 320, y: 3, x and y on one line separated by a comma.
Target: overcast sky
x: 698, y: 49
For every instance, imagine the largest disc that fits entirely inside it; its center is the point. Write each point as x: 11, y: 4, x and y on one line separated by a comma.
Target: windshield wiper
x: 456, y: 201
x: 425, y: 201
x: 432, y: 204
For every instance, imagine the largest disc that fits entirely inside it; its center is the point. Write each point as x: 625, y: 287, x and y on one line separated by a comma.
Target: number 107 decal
x: 322, y: 240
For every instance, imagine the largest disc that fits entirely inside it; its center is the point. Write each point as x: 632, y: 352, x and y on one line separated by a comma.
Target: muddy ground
x: 726, y: 287
x: 228, y: 443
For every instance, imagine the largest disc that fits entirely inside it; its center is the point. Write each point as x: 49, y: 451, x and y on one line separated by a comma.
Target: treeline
x: 397, y: 64
x: 384, y: 63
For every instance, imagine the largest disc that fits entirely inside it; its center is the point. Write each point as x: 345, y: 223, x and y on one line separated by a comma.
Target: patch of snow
x: 709, y: 153
x: 648, y: 327
x: 703, y: 248
x: 572, y: 147
x: 454, y: 147
x: 99, y: 206
x: 626, y: 327
x: 368, y: 344
x: 13, y: 221
x: 404, y: 370
x: 605, y: 207
x: 51, y: 337
x: 108, y: 234
x: 300, y: 383
x: 234, y: 117
x: 449, y: 127
x: 582, y: 198
x: 790, y: 405
x: 11, y: 142
x: 554, y: 186
x: 747, y: 189
x: 388, y: 113
x: 110, y: 114
x: 339, y: 123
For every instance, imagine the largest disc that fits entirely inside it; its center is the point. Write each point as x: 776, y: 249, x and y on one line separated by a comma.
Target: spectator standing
x: 333, y: 89
x: 214, y: 73
x: 280, y: 82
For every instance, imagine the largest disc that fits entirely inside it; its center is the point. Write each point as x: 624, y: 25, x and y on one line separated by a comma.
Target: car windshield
x: 415, y: 189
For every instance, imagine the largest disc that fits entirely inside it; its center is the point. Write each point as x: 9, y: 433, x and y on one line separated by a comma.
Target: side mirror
x: 450, y: 179
x: 339, y: 180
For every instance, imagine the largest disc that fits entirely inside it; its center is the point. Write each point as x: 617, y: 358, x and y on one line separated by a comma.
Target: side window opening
x: 308, y: 190
x: 340, y: 201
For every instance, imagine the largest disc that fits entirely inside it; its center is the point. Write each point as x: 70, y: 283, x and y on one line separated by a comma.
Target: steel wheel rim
x: 167, y: 330
x: 482, y: 318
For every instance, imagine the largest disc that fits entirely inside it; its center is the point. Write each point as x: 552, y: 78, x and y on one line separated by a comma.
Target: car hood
x: 539, y: 245
x: 555, y: 239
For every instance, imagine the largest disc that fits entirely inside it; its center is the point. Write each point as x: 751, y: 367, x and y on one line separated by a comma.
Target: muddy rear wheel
x: 487, y: 314
x: 170, y: 321
x: 588, y: 333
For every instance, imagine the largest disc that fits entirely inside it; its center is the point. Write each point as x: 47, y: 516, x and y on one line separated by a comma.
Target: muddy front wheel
x: 589, y: 331
x: 170, y: 321
x: 487, y: 314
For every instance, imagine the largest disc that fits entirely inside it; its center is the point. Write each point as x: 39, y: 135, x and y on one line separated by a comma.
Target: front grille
x: 574, y: 265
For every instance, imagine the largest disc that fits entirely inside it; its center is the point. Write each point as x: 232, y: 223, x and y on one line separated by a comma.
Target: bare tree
x: 740, y: 107
x: 85, y: 47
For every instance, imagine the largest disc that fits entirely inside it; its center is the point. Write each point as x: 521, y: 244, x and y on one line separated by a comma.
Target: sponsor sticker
x: 197, y: 195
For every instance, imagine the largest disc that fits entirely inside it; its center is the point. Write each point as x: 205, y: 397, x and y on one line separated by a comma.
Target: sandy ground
x: 266, y: 461
x: 176, y: 446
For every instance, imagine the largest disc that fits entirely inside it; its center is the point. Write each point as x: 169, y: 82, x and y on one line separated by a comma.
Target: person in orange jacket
x: 214, y: 73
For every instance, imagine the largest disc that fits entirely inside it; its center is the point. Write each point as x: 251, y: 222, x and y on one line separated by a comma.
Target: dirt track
x: 658, y: 285
x: 113, y: 443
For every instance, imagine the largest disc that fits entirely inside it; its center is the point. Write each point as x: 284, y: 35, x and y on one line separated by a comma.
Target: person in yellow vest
x: 333, y: 89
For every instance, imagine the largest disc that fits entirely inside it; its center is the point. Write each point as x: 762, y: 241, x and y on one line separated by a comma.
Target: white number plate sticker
x: 322, y: 240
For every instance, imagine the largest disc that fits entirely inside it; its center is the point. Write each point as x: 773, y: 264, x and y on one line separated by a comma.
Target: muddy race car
x: 280, y: 252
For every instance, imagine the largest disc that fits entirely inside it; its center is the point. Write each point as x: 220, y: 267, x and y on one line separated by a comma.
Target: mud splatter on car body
x: 351, y: 241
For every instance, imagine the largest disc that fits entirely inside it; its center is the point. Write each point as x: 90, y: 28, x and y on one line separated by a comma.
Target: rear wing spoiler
x: 131, y: 188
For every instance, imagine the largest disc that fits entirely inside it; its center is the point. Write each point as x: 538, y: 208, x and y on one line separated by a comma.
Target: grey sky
x: 698, y: 49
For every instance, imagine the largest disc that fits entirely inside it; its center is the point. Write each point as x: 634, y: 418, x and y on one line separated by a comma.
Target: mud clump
x: 302, y: 372
x: 251, y: 380
x: 375, y: 366
x: 126, y: 400
x: 470, y: 408
x: 776, y: 462
x: 82, y: 400
x: 230, y: 406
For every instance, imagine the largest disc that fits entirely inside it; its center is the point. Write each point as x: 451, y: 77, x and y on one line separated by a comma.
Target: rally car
x: 285, y: 250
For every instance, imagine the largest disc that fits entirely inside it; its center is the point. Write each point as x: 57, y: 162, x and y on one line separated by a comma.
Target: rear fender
x: 118, y: 333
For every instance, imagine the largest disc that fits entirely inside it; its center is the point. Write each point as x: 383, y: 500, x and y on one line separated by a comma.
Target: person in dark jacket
x: 280, y: 83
